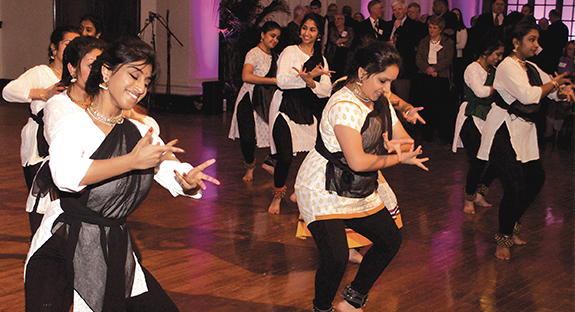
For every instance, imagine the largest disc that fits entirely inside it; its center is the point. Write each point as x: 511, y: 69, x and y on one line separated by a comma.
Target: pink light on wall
x: 204, y: 39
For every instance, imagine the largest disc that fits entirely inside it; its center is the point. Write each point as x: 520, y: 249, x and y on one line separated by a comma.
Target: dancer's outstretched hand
x: 395, y: 145
x: 147, y: 155
x: 196, y: 177
x: 410, y: 158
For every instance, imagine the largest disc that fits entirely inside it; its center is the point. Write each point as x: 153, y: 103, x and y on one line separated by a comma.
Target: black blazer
x: 408, y: 36
x: 365, y: 32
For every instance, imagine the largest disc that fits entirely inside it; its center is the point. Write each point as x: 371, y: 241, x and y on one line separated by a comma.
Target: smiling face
x: 399, y: 11
x: 339, y: 20
x: 271, y: 38
x: 378, y: 84
x: 128, y: 85
x: 570, y: 51
x: 495, y: 57
x: 309, y: 32
x: 85, y: 66
x: 528, y: 45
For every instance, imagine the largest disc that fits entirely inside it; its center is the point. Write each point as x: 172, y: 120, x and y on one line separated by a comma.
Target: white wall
x: 25, y: 35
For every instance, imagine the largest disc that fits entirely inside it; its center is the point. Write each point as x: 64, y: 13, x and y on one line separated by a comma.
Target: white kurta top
x: 74, y: 139
x: 512, y: 83
x: 314, y: 201
x: 475, y: 77
x: 261, y: 63
x: 18, y: 90
x: 56, y: 108
x: 303, y: 136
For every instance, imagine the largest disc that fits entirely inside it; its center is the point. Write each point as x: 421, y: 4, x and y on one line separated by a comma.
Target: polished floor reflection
x: 226, y: 253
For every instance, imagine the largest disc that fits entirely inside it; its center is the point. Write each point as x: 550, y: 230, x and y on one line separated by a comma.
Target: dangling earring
x: 515, y: 49
x: 318, y: 37
x: 73, y: 80
x: 104, y: 85
x: 360, y: 81
x: 53, y: 55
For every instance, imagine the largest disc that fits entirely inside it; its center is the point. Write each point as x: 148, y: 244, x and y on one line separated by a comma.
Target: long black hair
x: 119, y: 53
x: 75, y: 52
x: 319, y: 23
x: 57, y: 36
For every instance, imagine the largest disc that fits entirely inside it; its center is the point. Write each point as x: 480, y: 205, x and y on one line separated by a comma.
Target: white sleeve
x: 323, y: 88
x: 18, y: 90
x: 511, y: 79
x: 286, y: 75
x: 461, y: 39
x: 53, y: 112
x: 68, y: 162
x: 475, y: 77
x: 165, y: 175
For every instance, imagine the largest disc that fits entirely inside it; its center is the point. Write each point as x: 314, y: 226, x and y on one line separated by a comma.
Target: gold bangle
x: 43, y: 96
x: 555, y: 85
x: 407, y: 110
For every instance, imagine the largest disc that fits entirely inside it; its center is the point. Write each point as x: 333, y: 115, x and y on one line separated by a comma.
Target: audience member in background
x: 441, y: 8
x: 359, y: 17
x: 414, y: 11
x: 405, y: 35
x: 434, y: 58
x: 291, y: 34
x: 373, y: 27
x: 556, y: 37
x: 338, y: 46
x: 459, y: 62
x: 486, y: 22
x: 332, y: 10
x: 543, y: 24
x: 349, y: 20
x: 557, y: 111
x: 90, y: 26
x: 528, y: 10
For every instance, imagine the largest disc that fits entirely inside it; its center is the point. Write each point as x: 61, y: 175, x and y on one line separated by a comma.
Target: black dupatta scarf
x: 339, y: 177
x: 263, y: 94
x: 99, y: 251
x: 529, y: 111
x: 301, y: 105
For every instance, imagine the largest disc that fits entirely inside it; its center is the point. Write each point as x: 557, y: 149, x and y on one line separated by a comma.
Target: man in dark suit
x: 405, y: 34
x: 485, y: 24
x: 373, y: 27
x: 441, y: 8
x: 556, y: 38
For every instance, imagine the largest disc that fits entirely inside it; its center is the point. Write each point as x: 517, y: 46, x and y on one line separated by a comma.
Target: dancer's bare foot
x: 518, y: 241
x: 268, y: 168
x: 249, y: 175
x: 293, y: 198
x: 355, y: 256
x: 503, y: 252
x: 344, y: 306
x: 480, y: 201
x: 275, y: 206
x: 468, y: 207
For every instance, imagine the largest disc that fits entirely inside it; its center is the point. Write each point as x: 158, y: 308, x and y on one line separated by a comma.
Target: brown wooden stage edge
x: 226, y: 253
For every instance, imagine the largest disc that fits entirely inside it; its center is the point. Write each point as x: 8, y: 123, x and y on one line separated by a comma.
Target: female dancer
x: 251, y: 116
x: 478, y: 88
x: 36, y: 86
x: 103, y: 165
x: 77, y: 61
x: 304, y: 81
x: 336, y: 184
x: 509, y: 139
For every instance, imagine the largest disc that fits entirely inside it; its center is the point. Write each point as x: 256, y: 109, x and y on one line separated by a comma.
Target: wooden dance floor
x: 226, y: 253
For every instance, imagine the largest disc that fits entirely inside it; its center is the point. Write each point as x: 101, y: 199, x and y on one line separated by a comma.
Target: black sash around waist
x: 42, y: 144
x: 263, y: 94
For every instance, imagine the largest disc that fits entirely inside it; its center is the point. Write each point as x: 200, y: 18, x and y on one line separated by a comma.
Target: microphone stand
x: 164, y: 22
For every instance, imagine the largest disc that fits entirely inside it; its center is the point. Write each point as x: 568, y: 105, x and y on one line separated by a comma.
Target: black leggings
x: 47, y: 289
x: 471, y: 138
x: 521, y: 182
x: 247, y: 128
x: 284, y: 156
x: 331, y: 241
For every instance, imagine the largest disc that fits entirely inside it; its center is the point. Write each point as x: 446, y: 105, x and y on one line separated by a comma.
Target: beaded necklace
x: 110, y: 121
x: 83, y: 105
x: 359, y: 94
